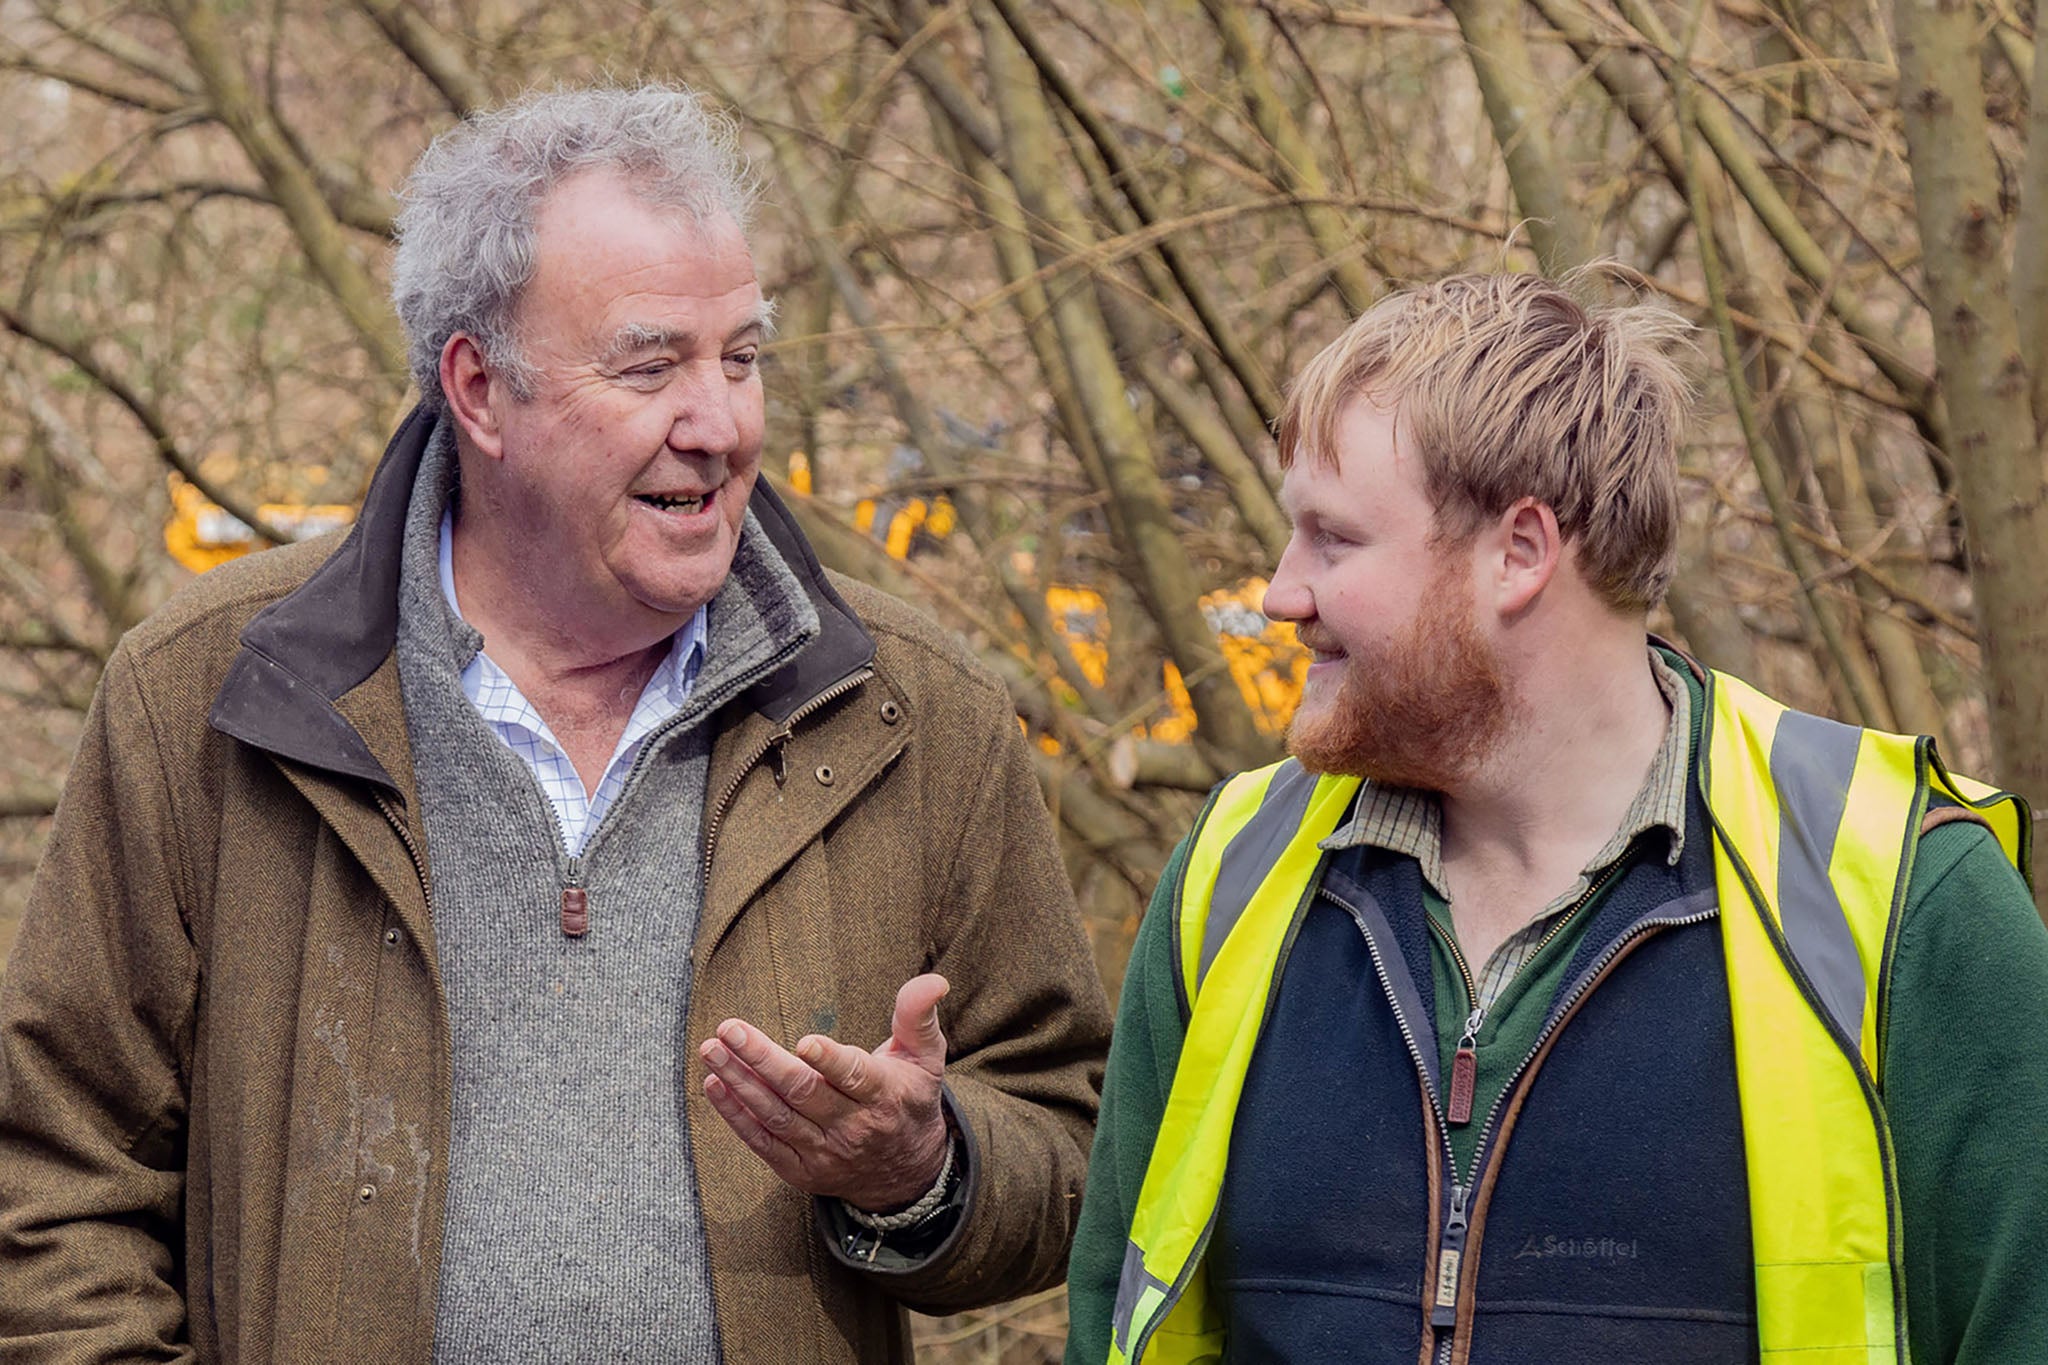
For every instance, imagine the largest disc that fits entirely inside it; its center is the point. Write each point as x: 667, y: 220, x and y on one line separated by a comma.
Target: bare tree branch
x: 291, y: 182
x: 145, y: 413
x: 427, y: 48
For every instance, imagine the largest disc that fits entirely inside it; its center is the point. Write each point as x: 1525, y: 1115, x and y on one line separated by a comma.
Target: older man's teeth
x: 668, y: 504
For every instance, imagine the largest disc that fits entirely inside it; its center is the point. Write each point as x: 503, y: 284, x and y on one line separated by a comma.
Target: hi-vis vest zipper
x: 1816, y: 825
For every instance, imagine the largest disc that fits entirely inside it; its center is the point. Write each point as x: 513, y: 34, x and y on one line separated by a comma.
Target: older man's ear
x: 473, y: 393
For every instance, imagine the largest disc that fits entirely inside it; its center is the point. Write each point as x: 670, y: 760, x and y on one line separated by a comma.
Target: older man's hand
x: 831, y: 1119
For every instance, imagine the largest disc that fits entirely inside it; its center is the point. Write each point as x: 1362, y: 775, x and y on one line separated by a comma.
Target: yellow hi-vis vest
x: 1815, y: 828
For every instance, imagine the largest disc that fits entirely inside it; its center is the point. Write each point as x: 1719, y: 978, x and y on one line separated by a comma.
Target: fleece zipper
x: 1451, y: 1279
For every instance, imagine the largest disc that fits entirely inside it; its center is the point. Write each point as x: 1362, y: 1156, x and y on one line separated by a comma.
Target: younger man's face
x: 1405, y: 688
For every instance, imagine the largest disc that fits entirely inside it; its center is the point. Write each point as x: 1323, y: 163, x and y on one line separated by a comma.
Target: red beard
x: 1423, y: 713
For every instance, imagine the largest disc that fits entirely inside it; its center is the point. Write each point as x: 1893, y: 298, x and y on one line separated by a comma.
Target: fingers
x: 848, y: 1070
x: 780, y: 1089
x: 781, y: 1158
x: 914, y: 1032
x: 832, y: 1119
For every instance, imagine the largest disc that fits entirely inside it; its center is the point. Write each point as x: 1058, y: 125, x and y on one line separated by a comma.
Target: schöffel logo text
x: 1580, y: 1248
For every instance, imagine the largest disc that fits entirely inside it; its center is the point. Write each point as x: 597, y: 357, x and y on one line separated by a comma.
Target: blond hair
x: 1506, y: 387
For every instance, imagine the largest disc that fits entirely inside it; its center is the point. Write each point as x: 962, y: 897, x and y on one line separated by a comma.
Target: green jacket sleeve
x: 1966, y: 1090
x: 1143, y: 1053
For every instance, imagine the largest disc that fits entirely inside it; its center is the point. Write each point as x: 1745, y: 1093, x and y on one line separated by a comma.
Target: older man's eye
x: 740, y: 364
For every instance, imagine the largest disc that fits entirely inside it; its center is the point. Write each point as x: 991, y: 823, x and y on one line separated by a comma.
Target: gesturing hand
x: 831, y: 1119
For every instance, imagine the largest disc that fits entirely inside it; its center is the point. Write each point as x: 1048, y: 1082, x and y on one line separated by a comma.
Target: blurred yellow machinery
x: 202, y: 534
x: 1265, y: 660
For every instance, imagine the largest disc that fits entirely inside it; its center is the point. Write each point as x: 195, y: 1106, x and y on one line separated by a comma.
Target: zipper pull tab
x: 1450, y: 1256
x: 777, y: 760
x: 575, y: 903
x: 1465, y: 1070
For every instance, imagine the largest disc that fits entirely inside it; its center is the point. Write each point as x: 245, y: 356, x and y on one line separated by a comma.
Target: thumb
x: 914, y: 1033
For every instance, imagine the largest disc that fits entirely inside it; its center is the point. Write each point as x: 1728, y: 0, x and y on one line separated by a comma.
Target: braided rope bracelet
x: 916, y: 1213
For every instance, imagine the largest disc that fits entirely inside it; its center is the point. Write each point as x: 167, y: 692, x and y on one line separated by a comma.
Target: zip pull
x: 1465, y: 1070
x: 575, y: 903
x: 777, y: 759
x: 1450, y: 1256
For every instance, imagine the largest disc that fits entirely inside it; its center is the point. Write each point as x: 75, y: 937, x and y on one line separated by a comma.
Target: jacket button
x: 891, y: 713
x: 824, y: 774
x: 391, y: 938
x: 367, y: 1193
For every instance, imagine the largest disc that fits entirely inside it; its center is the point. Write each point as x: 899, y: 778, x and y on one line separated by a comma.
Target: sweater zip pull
x: 575, y: 902
x: 1450, y: 1255
x: 1465, y: 1070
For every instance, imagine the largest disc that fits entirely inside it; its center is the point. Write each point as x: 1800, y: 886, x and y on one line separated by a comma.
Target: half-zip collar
x: 304, y: 652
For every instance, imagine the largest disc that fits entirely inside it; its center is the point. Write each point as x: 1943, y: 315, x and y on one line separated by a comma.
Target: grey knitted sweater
x: 573, y: 1231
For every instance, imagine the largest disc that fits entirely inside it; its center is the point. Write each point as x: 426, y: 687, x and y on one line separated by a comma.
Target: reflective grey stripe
x: 1812, y: 760
x: 1129, y: 1285
x: 1251, y: 853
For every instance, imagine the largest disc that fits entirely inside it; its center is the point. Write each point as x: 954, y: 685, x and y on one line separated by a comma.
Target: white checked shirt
x: 512, y: 717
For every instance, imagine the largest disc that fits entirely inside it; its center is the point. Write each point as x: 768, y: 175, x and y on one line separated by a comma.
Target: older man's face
x: 626, y: 474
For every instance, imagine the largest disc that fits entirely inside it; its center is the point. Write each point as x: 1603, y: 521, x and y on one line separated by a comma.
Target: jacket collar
x: 304, y: 652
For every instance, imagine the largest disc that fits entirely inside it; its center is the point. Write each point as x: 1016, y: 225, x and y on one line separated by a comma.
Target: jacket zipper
x: 773, y: 742
x: 1457, y: 1109
x: 575, y: 909
x: 1465, y: 1060
x: 412, y: 850
x: 575, y: 900
x: 1587, y: 981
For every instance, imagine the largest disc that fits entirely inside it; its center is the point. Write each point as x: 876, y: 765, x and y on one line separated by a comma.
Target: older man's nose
x: 705, y: 419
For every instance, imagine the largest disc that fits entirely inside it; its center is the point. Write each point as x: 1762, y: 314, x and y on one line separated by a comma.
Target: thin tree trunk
x: 291, y: 183
x: 1646, y: 101
x: 2000, y: 477
x: 1293, y: 157
x: 1257, y: 384
x: 1770, y: 474
x: 1162, y: 570
x: 432, y: 51
x: 1518, y: 104
x: 938, y: 450
x: 2030, y: 239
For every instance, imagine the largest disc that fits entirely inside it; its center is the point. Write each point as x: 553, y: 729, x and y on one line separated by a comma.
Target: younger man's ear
x: 1531, y: 549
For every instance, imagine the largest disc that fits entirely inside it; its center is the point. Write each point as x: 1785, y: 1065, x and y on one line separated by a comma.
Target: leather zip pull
x: 575, y: 903
x: 1465, y: 1071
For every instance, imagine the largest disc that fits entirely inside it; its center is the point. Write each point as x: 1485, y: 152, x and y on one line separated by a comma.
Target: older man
x: 421, y: 903
x: 1589, y: 1006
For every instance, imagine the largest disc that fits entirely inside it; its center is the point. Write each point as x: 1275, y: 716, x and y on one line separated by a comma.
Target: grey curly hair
x: 466, y: 229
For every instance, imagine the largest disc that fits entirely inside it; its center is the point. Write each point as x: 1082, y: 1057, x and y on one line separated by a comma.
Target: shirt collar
x: 674, y: 675
x: 1410, y: 822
